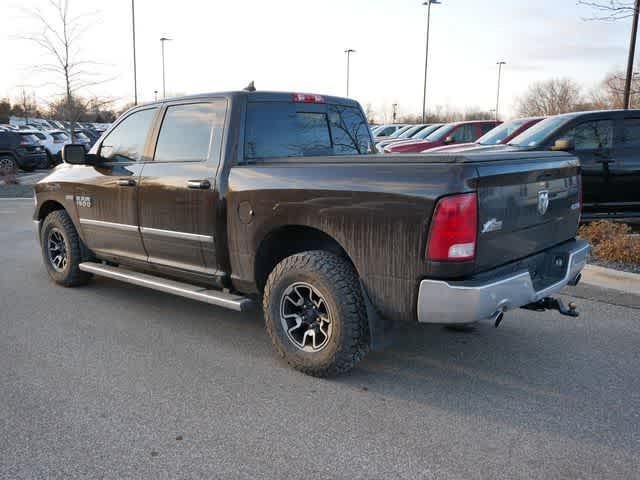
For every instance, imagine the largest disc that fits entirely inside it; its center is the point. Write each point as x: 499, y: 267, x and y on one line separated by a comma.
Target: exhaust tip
x: 497, y: 318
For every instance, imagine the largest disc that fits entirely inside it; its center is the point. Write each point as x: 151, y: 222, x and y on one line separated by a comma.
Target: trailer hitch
x: 551, y: 303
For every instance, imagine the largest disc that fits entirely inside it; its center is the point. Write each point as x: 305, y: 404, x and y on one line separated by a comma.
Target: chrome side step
x: 194, y: 292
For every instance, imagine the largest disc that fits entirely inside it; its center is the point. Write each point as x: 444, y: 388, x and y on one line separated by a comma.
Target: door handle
x: 126, y: 182
x: 199, y: 184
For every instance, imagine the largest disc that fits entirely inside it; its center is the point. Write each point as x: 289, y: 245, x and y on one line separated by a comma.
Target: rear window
x: 28, y: 138
x: 299, y: 130
x: 59, y: 136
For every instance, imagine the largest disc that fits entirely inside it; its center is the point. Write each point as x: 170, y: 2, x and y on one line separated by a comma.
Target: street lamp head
x: 431, y: 2
x: 349, y: 50
x: 501, y: 62
x: 165, y: 39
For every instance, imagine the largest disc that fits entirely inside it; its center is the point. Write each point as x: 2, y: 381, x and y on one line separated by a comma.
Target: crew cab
x: 246, y: 198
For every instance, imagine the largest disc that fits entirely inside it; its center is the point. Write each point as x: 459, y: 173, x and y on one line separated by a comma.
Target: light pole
x: 155, y: 95
x: 395, y: 111
x: 348, y: 51
x: 162, y: 40
x: 426, y: 58
x: 135, y: 76
x: 632, y: 53
x: 500, y: 64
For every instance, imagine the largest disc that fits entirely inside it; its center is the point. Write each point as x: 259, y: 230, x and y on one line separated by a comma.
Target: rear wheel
x: 8, y: 165
x: 63, y: 250
x: 315, y: 313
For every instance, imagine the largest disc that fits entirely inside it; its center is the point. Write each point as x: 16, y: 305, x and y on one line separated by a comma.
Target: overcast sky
x: 298, y: 45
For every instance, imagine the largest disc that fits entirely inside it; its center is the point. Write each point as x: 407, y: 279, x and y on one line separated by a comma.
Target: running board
x: 194, y: 292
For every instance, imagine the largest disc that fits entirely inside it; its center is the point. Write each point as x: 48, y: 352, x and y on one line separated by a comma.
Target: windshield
x: 400, y: 131
x: 498, y: 134
x: 411, y: 131
x: 426, y: 132
x: 440, y: 133
x: 80, y: 135
x: 537, y: 134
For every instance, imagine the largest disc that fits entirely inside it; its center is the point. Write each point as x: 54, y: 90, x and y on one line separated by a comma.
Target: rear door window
x: 630, y: 134
x: 190, y: 132
x: 594, y: 135
x: 464, y: 133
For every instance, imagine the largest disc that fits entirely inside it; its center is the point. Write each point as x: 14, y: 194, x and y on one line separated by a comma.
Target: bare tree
x: 59, y: 36
x: 609, y: 11
x: 551, y: 97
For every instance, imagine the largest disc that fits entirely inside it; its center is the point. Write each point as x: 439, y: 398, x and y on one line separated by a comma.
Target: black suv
x: 607, y: 142
x: 21, y: 149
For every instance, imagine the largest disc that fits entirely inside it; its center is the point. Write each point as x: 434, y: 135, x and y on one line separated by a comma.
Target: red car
x: 449, y: 134
x: 500, y: 135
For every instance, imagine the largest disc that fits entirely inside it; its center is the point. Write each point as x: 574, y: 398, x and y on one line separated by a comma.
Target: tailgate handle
x: 199, y: 184
x: 127, y: 182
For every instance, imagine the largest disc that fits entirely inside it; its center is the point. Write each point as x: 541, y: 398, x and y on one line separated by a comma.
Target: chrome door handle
x: 127, y: 182
x: 199, y: 184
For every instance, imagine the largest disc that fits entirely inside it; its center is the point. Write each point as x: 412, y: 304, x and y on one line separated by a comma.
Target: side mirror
x: 562, y: 145
x: 448, y: 140
x: 75, y: 154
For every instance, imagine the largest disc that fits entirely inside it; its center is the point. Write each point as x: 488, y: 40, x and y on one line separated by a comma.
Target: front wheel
x: 63, y: 250
x: 315, y: 313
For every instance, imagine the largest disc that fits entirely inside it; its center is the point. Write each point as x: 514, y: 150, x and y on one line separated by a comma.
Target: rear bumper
x: 469, y: 301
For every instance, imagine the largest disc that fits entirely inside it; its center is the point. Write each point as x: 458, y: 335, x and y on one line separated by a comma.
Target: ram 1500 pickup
x: 246, y: 197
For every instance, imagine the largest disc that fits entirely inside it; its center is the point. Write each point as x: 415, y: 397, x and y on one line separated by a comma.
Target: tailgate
x: 525, y: 206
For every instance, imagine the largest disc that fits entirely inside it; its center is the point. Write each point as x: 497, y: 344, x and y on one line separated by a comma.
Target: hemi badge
x: 492, y: 225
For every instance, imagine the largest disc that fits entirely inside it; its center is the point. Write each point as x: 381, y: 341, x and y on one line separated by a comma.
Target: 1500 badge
x: 82, y: 201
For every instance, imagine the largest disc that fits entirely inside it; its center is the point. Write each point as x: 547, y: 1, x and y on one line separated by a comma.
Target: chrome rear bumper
x: 469, y: 301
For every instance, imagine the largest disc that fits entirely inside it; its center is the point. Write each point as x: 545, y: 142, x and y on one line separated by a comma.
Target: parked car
x: 607, y: 142
x: 81, y: 137
x: 395, y: 134
x: 386, y: 130
x: 416, y: 133
x: 452, y: 133
x: 501, y: 134
x: 245, y: 198
x: 21, y: 150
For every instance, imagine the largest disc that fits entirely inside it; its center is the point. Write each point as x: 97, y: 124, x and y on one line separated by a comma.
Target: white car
x: 52, y: 141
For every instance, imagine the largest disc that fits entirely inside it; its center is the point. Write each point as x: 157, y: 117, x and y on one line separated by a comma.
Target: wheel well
x: 48, y: 207
x: 287, y: 241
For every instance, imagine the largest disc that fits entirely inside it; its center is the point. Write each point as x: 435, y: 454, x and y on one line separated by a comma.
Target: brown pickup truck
x: 236, y: 198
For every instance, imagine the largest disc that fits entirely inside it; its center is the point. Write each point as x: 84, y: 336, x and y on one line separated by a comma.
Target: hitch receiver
x: 551, y: 303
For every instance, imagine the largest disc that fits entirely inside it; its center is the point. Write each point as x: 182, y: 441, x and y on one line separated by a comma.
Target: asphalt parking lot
x: 114, y: 381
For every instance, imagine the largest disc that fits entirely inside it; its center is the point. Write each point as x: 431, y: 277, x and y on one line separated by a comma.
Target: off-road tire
x: 76, y: 251
x: 337, y: 281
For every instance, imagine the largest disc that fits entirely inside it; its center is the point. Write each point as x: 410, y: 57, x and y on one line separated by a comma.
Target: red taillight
x: 24, y: 142
x: 454, y: 229
x: 307, y: 98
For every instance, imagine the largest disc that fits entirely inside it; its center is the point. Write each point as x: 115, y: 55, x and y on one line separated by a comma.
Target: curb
x: 611, y: 279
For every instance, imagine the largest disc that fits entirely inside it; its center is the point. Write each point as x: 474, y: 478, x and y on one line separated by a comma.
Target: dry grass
x: 611, y: 242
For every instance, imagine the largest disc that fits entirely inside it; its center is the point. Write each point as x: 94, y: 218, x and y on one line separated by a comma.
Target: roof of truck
x: 260, y: 96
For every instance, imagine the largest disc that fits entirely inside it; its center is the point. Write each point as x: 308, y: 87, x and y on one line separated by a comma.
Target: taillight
x: 454, y: 229
x: 307, y: 98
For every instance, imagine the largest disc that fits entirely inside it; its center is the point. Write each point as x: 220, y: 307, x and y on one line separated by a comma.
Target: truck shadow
x: 545, y: 372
